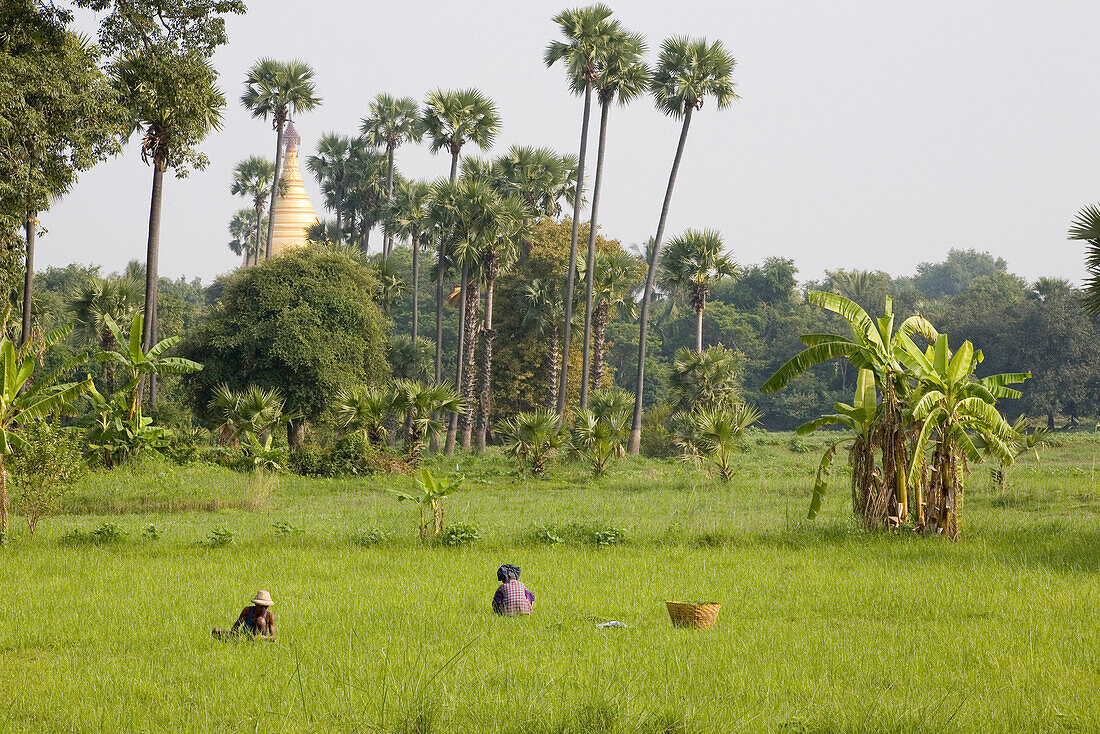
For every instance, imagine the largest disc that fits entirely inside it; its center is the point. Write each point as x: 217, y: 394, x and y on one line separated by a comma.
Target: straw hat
x: 262, y: 599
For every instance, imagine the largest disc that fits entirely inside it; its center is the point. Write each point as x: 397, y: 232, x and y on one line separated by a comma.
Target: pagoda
x: 294, y: 213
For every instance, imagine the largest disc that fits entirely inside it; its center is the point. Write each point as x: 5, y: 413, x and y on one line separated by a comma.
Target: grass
x: 823, y: 628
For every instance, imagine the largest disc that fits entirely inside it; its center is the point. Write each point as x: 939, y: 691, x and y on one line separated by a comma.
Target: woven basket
x: 698, y: 616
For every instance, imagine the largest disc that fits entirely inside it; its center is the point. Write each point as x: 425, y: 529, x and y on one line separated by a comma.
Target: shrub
x: 284, y: 528
x: 42, y: 468
x: 459, y: 534
x: 798, y: 445
x: 105, y: 534
x: 371, y: 536
x: 658, y: 439
x: 532, y: 438
x: 220, y: 537
x: 150, y: 532
x: 579, y: 534
x: 352, y: 455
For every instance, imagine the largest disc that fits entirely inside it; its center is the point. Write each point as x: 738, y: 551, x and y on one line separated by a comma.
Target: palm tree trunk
x: 274, y: 185
x: 255, y: 254
x: 439, y: 272
x: 635, y: 442
x: 591, y: 265
x: 415, y: 285
x: 469, y: 354
x: 555, y: 355
x: 560, y: 407
x: 30, y: 229
x: 339, y: 218
x: 152, y: 259
x: 452, y: 424
x: 487, y: 334
x: 599, y: 343
x: 387, y: 243
x: 699, y: 329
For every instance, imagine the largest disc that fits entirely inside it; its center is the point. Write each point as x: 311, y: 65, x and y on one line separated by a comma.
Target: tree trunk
x: 255, y: 254
x: 30, y: 229
x: 469, y: 355
x: 636, y: 426
x: 274, y: 185
x: 415, y: 285
x: 590, y: 269
x: 152, y: 260
x: 560, y: 407
x: 599, y: 343
x: 555, y: 355
x: 452, y: 424
x: 487, y: 335
x: 339, y: 218
x: 295, y: 434
x: 387, y: 242
x: 439, y: 272
x: 699, y: 328
x: 3, y: 503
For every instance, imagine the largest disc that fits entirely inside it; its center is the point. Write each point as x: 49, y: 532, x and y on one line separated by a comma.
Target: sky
x: 870, y: 135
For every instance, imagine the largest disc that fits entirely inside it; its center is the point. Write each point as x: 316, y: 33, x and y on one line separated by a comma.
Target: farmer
x: 512, y: 596
x: 255, y: 620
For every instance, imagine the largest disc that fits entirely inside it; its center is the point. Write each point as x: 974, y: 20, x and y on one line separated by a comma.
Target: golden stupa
x: 294, y: 213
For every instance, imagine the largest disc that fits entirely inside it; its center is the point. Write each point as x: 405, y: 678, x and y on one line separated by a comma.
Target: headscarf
x: 507, y: 573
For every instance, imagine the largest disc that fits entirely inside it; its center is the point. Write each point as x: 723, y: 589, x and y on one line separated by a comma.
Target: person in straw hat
x: 256, y: 620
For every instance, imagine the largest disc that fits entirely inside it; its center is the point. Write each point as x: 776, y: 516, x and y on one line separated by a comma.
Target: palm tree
x: 542, y: 314
x: 501, y: 250
x: 242, y: 227
x: 688, y: 71
x: 253, y: 177
x: 717, y: 433
x: 332, y: 169
x: 391, y: 123
x: 532, y: 438
x: 689, y: 265
x: 600, y: 431
x: 365, y: 192
x: 173, y: 101
x: 420, y: 404
x: 623, y: 76
x: 365, y: 409
x: 1087, y: 227
x: 588, y: 33
x: 450, y: 120
x: 95, y: 301
x: 408, y: 217
x: 616, y: 275
x: 277, y: 89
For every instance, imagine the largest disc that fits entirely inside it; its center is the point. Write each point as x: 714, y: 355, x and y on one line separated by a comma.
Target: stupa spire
x: 294, y: 213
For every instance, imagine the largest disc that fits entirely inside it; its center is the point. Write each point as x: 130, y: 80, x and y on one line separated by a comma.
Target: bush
x: 798, y: 445
x: 150, y: 532
x: 352, y: 456
x: 658, y: 440
x: 579, y: 534
x: 184, y: 445
x: 284, y: 528
x: 106, y: 534
x: 219, y: 538
x: 459, y: 534
x: 371, y: 536
x: 42, y: 470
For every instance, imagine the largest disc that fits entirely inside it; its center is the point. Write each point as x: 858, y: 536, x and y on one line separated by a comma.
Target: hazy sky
x: 871, y: 135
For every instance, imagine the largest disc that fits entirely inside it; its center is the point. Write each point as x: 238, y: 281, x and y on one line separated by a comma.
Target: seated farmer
x: 255, y: 620
x: 512, y: 596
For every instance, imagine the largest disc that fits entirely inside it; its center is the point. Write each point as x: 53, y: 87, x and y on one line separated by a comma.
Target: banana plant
x: 956, y: 413
x: 138, y: 363
x: 24, y: 399
x: 859, y: 418
x: 428, y: 492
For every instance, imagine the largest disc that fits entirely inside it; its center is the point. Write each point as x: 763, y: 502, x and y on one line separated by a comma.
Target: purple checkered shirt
x: 513, y: 598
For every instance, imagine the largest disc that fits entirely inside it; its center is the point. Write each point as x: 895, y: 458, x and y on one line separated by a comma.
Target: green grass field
x: 823, y: 628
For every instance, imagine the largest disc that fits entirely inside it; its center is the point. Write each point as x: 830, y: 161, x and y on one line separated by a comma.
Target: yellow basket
x: 697, y: 615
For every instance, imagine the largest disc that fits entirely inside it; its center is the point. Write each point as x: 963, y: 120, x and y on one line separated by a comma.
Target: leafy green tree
x: 450, y: 120
x: 172, y: 25
x: 955, y: 274
x: 392, y: 122
x: 588, y: 34
x: 366, y: 191
x: 277, y: 89
x: 43, y: 468
x: 688, y: 71
x: 59, y: 118
x: 24, y: 400
x: 253, y: 177
x: 689, y: 265
x: 532, y: 438
x: 623, y: 76
x: 298, y: 323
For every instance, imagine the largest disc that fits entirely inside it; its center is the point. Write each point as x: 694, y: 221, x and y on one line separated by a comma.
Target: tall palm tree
x: 689, y: 266
x: 540, y: 177
x: 332, y: 169
x: 408, y: 217
x: 392, y: 122
x: 616, y: 275
x: 450, y: 120
x: 1087, y: 227
x: 277, y: 89
x: 512, y: 226
x: 253, y: 177
x: 365, y: 193
x: 542, y: 314
x: 174, y: 101
x: 688, y: 71
x: 588, y: 32
x: 623, y: 76
x: 93, y: 302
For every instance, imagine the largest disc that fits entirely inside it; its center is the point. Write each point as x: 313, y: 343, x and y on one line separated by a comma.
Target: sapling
x: 428, y: 492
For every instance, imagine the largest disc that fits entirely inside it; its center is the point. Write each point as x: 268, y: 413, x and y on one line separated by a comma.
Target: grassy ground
x: 823, y: 628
